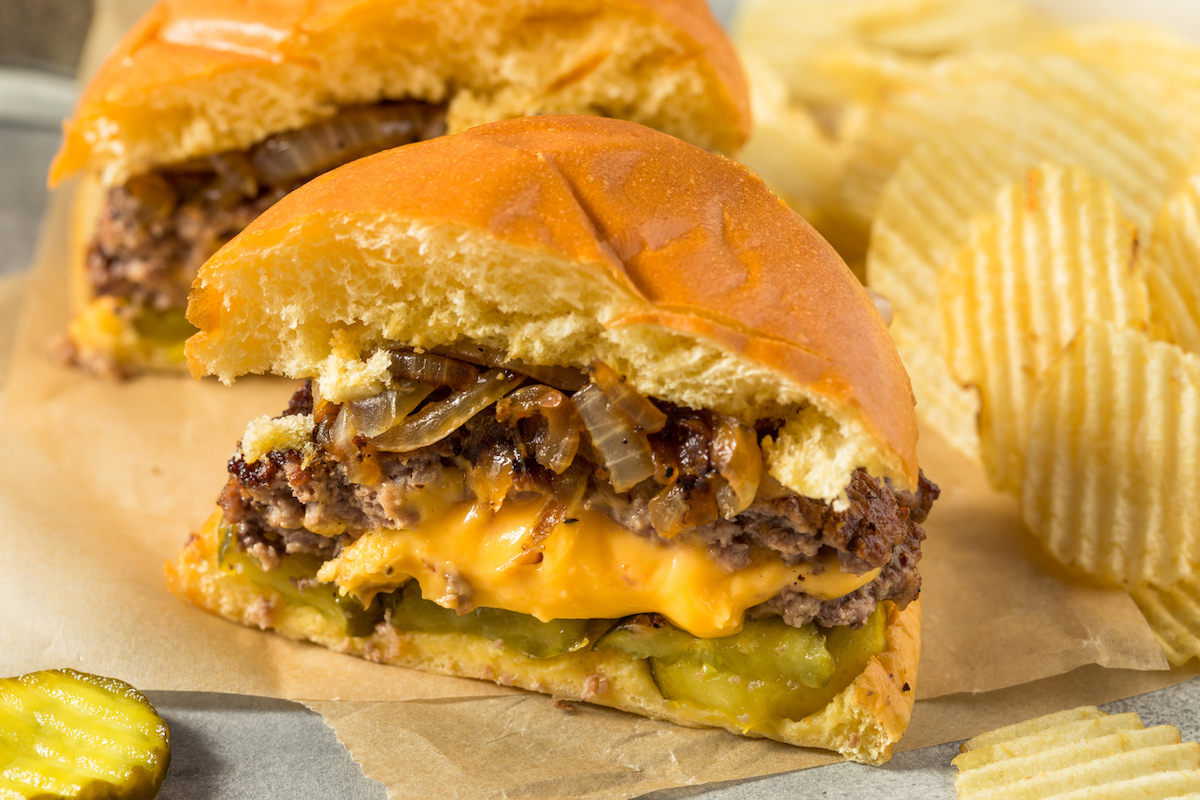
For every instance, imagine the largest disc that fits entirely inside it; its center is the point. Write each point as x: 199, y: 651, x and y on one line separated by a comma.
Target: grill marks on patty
x: 158, y: 228
x: 275, y: 505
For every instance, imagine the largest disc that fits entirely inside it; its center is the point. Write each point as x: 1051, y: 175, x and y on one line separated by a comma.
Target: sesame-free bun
x: 196, y: 77
x: 559, y: 240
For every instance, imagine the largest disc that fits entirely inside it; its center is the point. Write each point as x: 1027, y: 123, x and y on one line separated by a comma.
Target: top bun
x: 559, y: 240
x: 196, y: 77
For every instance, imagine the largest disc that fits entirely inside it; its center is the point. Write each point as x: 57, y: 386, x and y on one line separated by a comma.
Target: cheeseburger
x: 587, y: 410
x: 209, y: 111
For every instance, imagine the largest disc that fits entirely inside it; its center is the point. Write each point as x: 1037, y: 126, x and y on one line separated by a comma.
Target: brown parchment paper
x: 101, y: 483
x: 410, y: 747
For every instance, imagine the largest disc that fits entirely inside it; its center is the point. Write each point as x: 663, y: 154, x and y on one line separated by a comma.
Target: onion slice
x: 567, y: 379
x: 438, y: 420
x: 641, y: 412
x: 624, y: 450
x: 285, y: 158
x: 736, y: 455
x: 377, y: 414
x: 667, y: 511
x: 556, y: 450
x: 360, y: 463
x: 429, y: 368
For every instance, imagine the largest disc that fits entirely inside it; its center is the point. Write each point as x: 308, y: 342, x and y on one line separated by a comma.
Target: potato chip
x: 789, y: 150
x: 854, y: 50
x: 1112, y: 470
x: 1030, y: 727
x: 1080, y: 753
x: 1092, y: 727
x: 1149, y: 60
x: 1054, y: 255
x: 1063, y: 755
x: 923, y: 218
x: 1180, y: 785
x: 1054, y: 108
x: 1174, y: 616
x: 1173, y: 268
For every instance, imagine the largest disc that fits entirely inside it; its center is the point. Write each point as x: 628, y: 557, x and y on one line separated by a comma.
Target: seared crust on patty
x: 273, y: 503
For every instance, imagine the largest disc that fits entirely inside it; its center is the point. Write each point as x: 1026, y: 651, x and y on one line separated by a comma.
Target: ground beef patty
x: 158, y: 228
x: 276, y: 503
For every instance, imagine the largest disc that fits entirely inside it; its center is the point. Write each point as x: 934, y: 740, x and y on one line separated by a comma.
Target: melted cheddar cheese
x: 590, y: 568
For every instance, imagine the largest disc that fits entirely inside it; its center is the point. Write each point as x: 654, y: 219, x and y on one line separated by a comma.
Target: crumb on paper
x: 563, y: 704
x: 261, y: 613
x: 594, y: 685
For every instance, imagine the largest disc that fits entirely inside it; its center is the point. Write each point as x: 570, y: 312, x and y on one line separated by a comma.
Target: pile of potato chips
x: 1077, y: 754
x: 1027, y: 196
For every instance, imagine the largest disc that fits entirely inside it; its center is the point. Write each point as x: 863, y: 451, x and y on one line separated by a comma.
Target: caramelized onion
x: 492, y: 476
x: 429, y: 368
x: 736, y: 455
x: 565, y: 494
x: 667, y: 511
x: 438, y: 420
x: 235, y: 181
x: 557, y: 448
x: 624, y: 450
x: 568, y: 379
x: 641, y: 412
x: 286, y: 158
x: 359, y: 462
x: 377, y: 414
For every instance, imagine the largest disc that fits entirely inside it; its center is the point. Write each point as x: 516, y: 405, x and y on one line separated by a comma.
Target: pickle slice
x: 522, y: 633
x: 768, y: 672
x: 70, y: 735
x: 765, y: 648
x: 298, y: 570
x: 169, y: 329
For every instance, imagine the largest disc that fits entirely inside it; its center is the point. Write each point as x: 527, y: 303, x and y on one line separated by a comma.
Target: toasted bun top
x: 559, y: 240
x: 196, y: 77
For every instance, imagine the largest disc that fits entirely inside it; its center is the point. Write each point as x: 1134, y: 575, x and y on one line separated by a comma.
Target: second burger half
x: 587, y: 411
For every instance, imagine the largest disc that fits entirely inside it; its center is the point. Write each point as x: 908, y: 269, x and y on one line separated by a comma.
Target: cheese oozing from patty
x: 589, y: 568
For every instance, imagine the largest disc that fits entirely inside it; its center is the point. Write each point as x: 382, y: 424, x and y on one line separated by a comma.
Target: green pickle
x: 521, y: 633
x: 342, y: 610
x: 67, y: 735
x: 767, y: 672
x: 169, y: 328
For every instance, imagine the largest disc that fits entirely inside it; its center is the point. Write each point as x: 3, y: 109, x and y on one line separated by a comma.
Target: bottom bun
x: 861, y: 723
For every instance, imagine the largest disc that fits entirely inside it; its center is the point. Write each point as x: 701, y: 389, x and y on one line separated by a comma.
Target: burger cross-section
x: 585, y: 410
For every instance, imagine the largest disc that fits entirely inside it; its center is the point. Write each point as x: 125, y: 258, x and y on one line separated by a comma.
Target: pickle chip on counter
x: 70, y: 735
x: 1076, y: 754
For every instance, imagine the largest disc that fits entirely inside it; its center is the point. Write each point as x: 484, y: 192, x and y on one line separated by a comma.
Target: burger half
x: 587, y: 410
x: 209, y: 111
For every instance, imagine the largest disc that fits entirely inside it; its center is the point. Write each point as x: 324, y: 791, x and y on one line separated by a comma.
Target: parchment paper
x: 101, y: 483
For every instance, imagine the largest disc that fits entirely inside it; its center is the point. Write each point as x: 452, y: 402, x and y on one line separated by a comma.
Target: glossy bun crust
x: 195, y: 77
x: 559, y: 240
x: 862, y: 722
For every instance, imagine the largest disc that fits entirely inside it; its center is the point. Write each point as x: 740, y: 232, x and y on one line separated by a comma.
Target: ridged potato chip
x: 1112, y: 471
x: 1149, y: 60
x: 1052, y: 107
x: 853, y: 50
x: 1076, y: 754
x: 1173, y: 268
x: 1174, y: 616
x: 789, y: 150
x: 1054, y: 254
x: 67, y: 735
x: 923, y: 217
